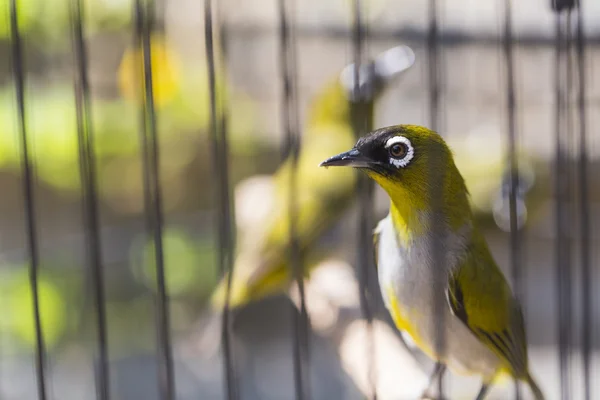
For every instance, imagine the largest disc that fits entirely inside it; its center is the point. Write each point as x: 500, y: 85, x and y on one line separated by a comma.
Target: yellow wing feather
x: 261, y: 266
x: 480, y: 297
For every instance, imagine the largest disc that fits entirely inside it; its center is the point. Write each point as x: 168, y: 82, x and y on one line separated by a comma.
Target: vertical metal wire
x: 292, y: 146
x: 562, y: 248
x: 433, y: 60
x: 144, y: 22
x: 563, y: 188
x: 570, y: 167
x: 287, y: 63
x: 512, y: 148
x: 364, y: 190
x: 584, y: 212
x: 223, y: 199
x: 223, y: 107
x: 515, y: 248
x: 29, y: 199
x: 90, y: 196
x: 435, y: 191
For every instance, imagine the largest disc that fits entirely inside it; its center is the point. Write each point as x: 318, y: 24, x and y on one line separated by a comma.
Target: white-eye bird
x: 261, y: 265
x: 480, y: 320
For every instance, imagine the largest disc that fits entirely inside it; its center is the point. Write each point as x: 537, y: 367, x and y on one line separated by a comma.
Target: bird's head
x: 407, y: 161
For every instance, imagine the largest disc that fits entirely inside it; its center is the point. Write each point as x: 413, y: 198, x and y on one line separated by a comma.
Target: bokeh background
x: 473, y: 109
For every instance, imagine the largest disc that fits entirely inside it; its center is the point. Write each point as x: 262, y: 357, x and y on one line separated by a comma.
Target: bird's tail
x: 535, y: 389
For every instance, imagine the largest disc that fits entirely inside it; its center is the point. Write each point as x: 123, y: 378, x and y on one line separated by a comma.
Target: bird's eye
x: 398, y: 150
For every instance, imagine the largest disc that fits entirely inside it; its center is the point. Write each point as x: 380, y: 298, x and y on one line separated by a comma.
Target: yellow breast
x: 403, y: 322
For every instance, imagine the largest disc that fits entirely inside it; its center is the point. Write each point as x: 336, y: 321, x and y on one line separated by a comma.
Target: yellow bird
x: 460, y: 296
x: 261, y: 266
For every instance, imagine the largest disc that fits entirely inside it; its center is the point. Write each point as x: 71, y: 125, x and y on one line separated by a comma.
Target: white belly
x: 409, y: 274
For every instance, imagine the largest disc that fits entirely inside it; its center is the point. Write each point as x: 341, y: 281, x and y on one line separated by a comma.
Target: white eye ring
x: 410, y: 151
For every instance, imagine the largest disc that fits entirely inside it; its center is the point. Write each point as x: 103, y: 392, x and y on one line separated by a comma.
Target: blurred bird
x: 481, y: 322
x: 261, y: 267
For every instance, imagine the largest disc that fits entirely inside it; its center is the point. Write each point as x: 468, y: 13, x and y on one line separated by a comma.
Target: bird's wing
x: 320, y: 200
x: 261, y: 264
x: 480, y: 297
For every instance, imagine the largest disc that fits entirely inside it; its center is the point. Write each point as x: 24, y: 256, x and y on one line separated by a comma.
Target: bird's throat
x: 411, y: 204
x: 405, y: 219
x: 413, y: 219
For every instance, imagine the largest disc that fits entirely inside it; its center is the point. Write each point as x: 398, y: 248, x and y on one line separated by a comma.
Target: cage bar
x: 87, y: 164
x: 515, y: 236
x: 291, y: 149
x: 512, y: 133
x: 364, y: 192
x: 584, y: 211
x: 218, y: 138
x: 438, y: 236
x: 28, y: 171
x: 144, y: 26
x: 563, y: 189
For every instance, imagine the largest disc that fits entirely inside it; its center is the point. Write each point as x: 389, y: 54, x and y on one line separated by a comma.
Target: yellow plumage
x: 480, y: 320
x: 261, y: 267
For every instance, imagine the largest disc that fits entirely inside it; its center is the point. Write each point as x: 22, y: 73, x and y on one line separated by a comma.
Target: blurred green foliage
x: 51, y: 125
x: 186, y: 171
x: 25, y: 17
x: 48, y: 20
x: 18, y: 315
x: 190, y: 266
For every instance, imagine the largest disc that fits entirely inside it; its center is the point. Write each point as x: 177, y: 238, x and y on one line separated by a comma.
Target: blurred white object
x: 394, y: 60
x: 332, y: 285
x: 387, y: 64
x: 396, y: 373
x: 336, y: 279
x: 502, y: 213
x: 254, y: 199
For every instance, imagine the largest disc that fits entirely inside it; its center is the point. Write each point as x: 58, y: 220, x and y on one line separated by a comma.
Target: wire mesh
x: 572, y: 182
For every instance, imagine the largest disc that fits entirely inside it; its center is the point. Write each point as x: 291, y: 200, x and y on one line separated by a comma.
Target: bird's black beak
x: 352, y: 158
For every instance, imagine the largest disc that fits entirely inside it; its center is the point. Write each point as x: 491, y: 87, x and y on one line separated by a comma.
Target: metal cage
x: 232, y: 47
